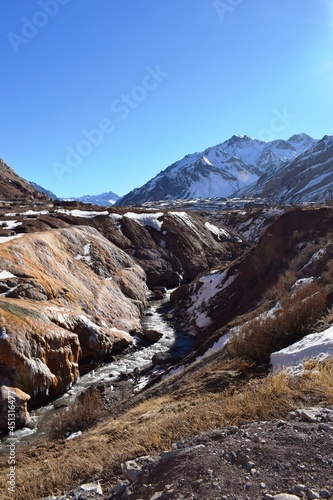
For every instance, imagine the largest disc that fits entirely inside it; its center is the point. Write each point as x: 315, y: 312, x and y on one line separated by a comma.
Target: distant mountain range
x: 222, y: 170
x: 104, y: 199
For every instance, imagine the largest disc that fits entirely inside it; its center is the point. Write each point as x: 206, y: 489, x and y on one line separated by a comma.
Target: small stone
x: 324, y: 427
x: 250, y: 465
x: 120, y: 488
x: 253, y: 472
x: 312, y: 495
x: 262, y: 486
x: 233, y: 429
x: 324, y: 493
x: 131, y: 470
x: 308, y: 415
x: 91, y: 488
x: 158, y: 494
x: 285, y: 496
x: 298, y: 489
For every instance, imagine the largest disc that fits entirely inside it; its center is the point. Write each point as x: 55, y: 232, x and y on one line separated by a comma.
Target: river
x: 139, y: 359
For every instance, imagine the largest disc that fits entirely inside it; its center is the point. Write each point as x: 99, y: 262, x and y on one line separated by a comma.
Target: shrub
x: 261, y: 336
x: 81, y: 415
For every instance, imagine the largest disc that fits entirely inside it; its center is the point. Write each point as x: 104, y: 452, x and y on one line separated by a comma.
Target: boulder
x: 13, y: 403
x: 179, y: 293
x: 162, y: 358
x: 152, y: 335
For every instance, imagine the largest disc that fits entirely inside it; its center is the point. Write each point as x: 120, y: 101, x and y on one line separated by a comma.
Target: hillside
x: 12, y: 186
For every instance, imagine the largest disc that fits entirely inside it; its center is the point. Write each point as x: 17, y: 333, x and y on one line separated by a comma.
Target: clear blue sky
x: 159, y: 79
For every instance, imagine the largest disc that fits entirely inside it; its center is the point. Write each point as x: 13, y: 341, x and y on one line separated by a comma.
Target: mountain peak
x: 299, y: 137
x: 219, y: 171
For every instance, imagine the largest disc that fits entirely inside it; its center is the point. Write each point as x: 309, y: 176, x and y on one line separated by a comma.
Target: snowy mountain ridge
x: 103, y: 199
x: 220, y: 171
x: 309, y: 177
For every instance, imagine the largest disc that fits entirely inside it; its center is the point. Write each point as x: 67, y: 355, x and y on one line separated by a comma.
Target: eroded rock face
x: 37, y: 356
x: 72, y: 297
x: 13, y: 408
x: 172, y: 247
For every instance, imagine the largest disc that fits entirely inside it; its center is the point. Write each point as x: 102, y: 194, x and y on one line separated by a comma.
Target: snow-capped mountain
x: 104, y: 199
x: 309, y: 177
x: 220, y: 171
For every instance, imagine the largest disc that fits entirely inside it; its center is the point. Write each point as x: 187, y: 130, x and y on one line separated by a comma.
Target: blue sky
x: 100, y: 95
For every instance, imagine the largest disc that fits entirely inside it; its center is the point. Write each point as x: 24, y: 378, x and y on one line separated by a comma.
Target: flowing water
x: 139, y: 359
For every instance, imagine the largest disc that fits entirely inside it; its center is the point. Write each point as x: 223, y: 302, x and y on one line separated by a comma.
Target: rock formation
x: 69, y: 297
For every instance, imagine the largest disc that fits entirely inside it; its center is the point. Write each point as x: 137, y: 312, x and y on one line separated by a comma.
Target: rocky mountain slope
x: 171, y: 246
x: 221, y: 170
x: 14, y: 187
x: 47, y: 192
x: 213, y: 300
x: 309, y: 177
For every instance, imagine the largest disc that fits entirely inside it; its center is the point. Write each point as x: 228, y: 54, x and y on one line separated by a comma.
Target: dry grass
x: 53, y: 467
x: 297, y: 317
x: 81, y: 415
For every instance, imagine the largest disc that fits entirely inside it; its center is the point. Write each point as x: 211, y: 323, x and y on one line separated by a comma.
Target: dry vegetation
x: 80, y: 416
x: 298, y: 315
x: 55, y: 466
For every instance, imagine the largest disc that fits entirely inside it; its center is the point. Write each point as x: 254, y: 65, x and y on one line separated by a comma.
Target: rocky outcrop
x: 172, y: 247
x: 13, y: 408
x: 69, y: 298
x: 37, y: 357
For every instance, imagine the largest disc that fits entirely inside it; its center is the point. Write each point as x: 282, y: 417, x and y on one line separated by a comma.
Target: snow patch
x: 147, y: 219
x: 33, y: 212
x: 74, y: 435
x: 315, y: 345
x: 6, y: 274
x: 4, y: 239
x: 218, y: 231
x: 86, y: 254
x: 9, y: 224
x: 81, y: 213
x: 213, y: 283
